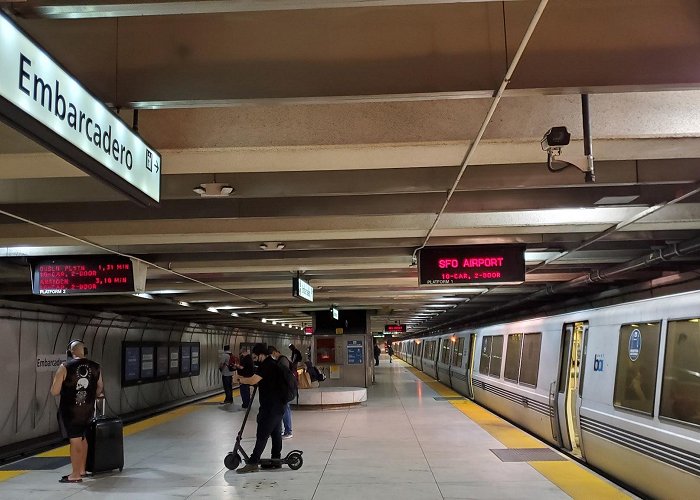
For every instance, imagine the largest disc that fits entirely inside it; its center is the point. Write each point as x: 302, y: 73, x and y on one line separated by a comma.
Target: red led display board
x: 395, y: 328
x: 474, y: 264
x: 82, y: 275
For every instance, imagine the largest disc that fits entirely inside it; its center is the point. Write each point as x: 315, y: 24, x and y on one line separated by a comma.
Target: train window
x: 485, y: 355
x: 446, y: 351
x: 513, y: 350
x: 458, y: 353
x: 530, y: 363
x: 680, y: 391
x: 496, y: 356
x: 637, y: 361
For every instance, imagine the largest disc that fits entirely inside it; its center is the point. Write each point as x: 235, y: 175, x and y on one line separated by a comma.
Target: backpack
x: 289, y: 390
x: 232, y: 362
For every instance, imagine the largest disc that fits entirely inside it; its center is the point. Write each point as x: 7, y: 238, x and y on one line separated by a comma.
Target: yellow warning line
x: 64, y: 451
x: 574, y: 479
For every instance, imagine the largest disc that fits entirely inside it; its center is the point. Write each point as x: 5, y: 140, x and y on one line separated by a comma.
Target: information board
x: 185, y: 359
x: 132, y: 361
x: 473, y: 264
x: 162, y: 361
x: 147, y: 362
x: 194, y: 359
x: 82, y: 275
x: 355, y: 352
x: 395, y: 328
x: 174, y: 369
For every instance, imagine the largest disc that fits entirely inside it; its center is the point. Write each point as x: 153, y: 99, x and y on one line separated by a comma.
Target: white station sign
x: 302, y: 289
x: 71, y: 121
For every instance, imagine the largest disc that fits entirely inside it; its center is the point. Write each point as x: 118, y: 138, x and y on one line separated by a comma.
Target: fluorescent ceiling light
x: 183, y: 304
x: 167, y: 292
x: 212, y: 309
x: 143, y: 295
x: 616, y: 200
x: 234, y: 315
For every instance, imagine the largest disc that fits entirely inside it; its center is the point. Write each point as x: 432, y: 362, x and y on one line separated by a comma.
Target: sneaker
x: 287, y: 436
x: 248, y: 468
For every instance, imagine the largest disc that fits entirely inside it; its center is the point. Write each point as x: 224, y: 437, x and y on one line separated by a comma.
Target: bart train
x: 617, y: 386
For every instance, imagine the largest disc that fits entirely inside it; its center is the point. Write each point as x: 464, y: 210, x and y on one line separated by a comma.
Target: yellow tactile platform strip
x: 63, y: 451
x: 574, y: 479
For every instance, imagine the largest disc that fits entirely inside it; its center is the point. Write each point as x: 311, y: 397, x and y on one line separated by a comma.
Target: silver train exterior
x: 617, y: 386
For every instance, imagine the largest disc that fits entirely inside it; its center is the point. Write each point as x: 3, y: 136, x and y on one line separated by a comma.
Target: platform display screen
x: 82, y: 275
x: 473, y: 264
x: 395, y: 328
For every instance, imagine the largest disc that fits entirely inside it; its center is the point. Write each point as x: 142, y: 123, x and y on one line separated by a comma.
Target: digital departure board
x: 82, y: 275
x: 395, y: 328
x: 474, y: 264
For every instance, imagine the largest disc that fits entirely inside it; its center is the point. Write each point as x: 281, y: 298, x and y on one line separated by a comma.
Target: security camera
x: 555, y: 139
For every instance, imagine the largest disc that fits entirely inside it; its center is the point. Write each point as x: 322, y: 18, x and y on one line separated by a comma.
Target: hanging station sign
x: 302, y: 289
x: 41, y: 99
x: 473, y: 264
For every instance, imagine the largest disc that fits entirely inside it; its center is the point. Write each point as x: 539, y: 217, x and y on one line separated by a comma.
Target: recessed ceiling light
x: 616, y: 200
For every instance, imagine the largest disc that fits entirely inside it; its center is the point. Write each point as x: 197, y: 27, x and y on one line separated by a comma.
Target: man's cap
x: 227, y: 348
x: 271, y: 349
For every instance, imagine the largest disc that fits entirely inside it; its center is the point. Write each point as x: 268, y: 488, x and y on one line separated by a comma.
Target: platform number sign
x: 635, y: 344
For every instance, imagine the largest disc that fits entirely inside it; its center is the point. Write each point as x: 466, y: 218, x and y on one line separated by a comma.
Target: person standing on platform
x: 271, y: 386
x: 245, y: 369
x: 391, y: 352
x: 295, y: 360
x: 226, y: 375
x: 377, y: 352
x: 79, y: 383
x: 287, y: 417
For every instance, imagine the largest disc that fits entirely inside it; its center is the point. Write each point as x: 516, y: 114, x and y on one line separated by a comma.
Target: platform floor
x: 403, y: 443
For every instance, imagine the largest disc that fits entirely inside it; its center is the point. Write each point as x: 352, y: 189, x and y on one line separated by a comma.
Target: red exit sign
x: 473, y: 264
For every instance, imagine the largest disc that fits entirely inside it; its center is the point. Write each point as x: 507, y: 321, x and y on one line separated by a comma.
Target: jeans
x: 269, y: 425
x: 227, y: 380
x: 245, y: 395
x: 287, y: 419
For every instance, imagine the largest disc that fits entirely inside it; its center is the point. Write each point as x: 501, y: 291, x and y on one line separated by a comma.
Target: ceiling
x: 350, y: 131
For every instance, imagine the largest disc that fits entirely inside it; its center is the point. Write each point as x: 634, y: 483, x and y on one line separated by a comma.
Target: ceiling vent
x: 272, y: 245
x: 213, y: 190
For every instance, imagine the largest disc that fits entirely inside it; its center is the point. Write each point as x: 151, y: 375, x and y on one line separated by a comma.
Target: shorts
x: 71, y: 430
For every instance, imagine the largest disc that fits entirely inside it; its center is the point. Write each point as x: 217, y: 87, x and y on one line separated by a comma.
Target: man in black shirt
x: 271, y: 390
x: 79, y: 382
x: 295, y: 360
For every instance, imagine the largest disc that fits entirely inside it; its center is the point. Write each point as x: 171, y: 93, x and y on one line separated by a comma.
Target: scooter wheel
x: 295, y: 461
x: 232, y: 461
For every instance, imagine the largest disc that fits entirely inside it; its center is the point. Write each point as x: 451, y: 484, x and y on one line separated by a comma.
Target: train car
x: 617, y: 386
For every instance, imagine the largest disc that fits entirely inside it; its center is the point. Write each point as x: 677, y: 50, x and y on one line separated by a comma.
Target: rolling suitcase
x: 105, y: 442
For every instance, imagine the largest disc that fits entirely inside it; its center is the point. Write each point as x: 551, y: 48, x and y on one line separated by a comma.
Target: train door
x: 471, y: 350
x: 567, y: 397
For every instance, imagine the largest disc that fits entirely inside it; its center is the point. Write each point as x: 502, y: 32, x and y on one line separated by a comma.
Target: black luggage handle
x: 100, y: 402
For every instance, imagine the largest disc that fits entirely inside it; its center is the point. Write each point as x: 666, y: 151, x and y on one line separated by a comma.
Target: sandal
x: 66, y: 479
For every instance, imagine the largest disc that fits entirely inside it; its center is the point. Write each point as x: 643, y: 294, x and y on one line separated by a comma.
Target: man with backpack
x: 227, y: 366
x: 272, y: 389
x: 281, y: 359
